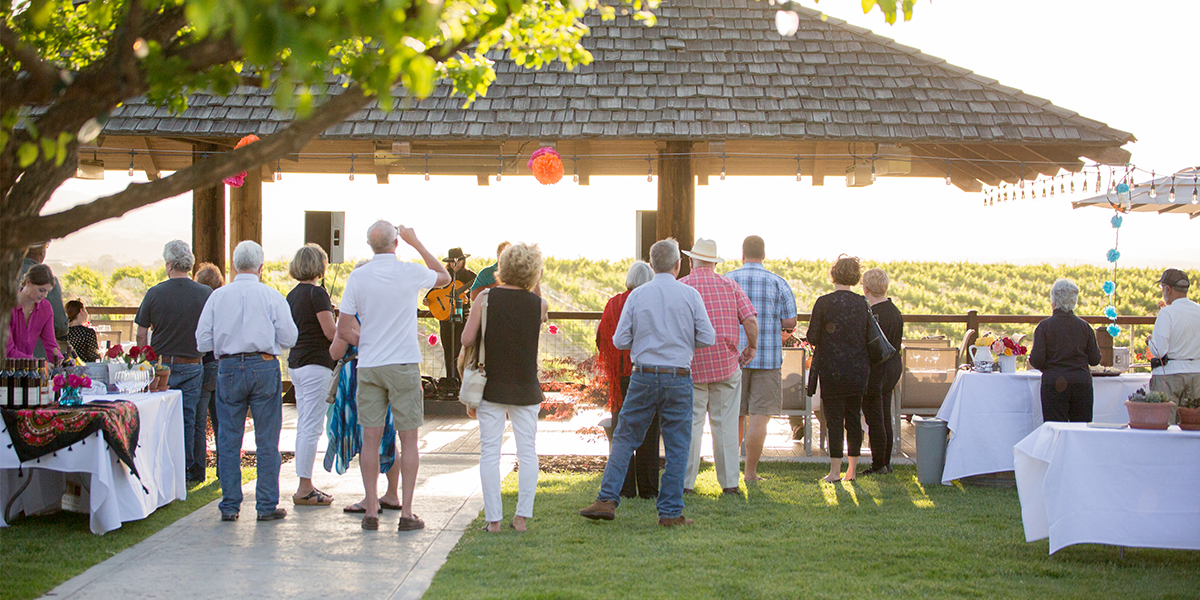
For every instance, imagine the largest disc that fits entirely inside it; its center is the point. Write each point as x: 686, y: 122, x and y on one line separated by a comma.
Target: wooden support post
x: 208, y: 217
x: 676, y: 196
x: 245, y: 211
x: 973, y: 321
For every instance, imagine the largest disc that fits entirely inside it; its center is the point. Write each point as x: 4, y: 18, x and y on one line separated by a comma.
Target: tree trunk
x: 10, y: 267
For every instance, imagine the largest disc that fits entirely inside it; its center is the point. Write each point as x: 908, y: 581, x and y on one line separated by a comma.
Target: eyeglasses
x: 788, y: 330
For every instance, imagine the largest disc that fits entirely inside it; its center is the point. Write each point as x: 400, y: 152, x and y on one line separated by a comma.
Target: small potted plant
x: 1149, y: 410
x: 1189, y: 414
x: 70, y: 385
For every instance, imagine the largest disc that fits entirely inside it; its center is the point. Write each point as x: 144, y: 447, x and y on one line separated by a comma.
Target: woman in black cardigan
x: 1063, y: 347
x: 838, y: 330
x: 877, y: 404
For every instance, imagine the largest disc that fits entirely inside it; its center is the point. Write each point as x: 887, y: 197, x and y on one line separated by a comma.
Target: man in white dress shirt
x: 246, y: 324
x: 383, y: 295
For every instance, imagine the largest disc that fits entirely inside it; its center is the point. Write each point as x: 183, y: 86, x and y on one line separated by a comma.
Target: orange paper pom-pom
x: 546, y: 165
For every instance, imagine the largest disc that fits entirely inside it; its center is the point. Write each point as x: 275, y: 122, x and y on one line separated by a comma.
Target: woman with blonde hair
x: 510, y: 342
x: 877, y: 404
x: 310, y: 365
x: 838, y: 331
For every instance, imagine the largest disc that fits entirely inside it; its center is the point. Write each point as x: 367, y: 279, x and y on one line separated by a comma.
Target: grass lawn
x: 41, y: 552
x: 791, y: 537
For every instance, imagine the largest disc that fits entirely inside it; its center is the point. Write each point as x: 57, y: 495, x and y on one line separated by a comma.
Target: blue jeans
x: 249, y: 383
x: 207, y: 409
x: 671, y: 397
x: 187, y: 379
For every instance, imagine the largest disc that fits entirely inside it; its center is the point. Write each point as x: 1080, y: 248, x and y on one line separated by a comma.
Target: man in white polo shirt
x: 1176, y: 340
x: 383, y: 294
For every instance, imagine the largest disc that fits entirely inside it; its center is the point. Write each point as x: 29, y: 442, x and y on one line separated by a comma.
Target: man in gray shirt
x: 663, y: 322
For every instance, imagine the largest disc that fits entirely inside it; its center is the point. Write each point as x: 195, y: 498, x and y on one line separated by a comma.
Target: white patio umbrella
x: 1140, y: 198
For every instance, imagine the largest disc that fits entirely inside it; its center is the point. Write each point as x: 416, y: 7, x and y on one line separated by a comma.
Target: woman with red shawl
x: 642, y: 477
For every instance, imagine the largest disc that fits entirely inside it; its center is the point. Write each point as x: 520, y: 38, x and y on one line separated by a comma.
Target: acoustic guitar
x: 441, y: 300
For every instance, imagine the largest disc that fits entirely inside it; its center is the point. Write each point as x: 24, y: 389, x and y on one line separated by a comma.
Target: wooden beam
x: 483, y: 180
x: 146, y: 159
x: 819, y: 164
x: 1109, y: 156
x: 245, y: 211
x: 208, y: 218
x: 676, y: 197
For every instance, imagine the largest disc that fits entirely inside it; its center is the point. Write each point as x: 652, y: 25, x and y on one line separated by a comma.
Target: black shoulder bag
x: 879, y: 349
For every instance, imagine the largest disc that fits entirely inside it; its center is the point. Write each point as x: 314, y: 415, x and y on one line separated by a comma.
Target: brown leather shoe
x: 601, y: 510
x: 676, y: 521
x: 732, y: 491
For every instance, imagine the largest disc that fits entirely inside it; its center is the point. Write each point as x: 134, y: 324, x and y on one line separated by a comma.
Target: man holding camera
x: 1175, y: 343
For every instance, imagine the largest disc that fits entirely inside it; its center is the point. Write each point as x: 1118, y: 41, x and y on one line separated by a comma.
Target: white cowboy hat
x: 705, y: 250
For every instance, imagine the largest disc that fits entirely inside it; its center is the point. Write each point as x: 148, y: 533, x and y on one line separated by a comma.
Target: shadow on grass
x: 39, y: 553
x: 791, y: 537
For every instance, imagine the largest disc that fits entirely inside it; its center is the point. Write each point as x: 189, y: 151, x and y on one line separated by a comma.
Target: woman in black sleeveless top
x: 510, y: 342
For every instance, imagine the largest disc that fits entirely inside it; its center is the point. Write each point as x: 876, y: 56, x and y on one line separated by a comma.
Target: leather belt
x: 680, y: 371
x: 181, y: 360
x: 262, y: 355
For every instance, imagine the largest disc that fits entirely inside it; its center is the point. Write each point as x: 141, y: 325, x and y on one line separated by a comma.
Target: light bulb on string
x: 1172, y: 194
x: 1099, y: 181
x: 351, y: 167
x: 131, y: 163
x: 948, y: 181
x: 278, y: 173
x: 872, y: 171
x: 1052, y: 182
x: 1043, y: 189
x: 575, y: 161
x: 797, y: 167
x: 1195, y: 196
x: 722, y: 166
x: 1084, y: 182
x: 1153, y: 190
x: 426, y: 167
x: 649, y: 171
x: 499, y: 168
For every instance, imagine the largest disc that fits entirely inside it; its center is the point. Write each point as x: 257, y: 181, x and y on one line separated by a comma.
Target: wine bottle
x: 5, y: 388
x: 23, y: 382
x: 35, y: 385
x: 47, y: 398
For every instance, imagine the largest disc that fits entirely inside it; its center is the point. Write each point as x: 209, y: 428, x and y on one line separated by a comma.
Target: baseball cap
x: 1174, y: 278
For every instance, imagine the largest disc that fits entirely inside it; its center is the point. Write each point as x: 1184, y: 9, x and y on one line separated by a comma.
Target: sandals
x: 413, y: 524
x: 357, y: 509
x: 370, y: 523
x: 826, y: 479
x: 314, y: 498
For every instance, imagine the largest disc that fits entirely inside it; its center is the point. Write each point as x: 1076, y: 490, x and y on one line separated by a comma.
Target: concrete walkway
x: 321, y: 552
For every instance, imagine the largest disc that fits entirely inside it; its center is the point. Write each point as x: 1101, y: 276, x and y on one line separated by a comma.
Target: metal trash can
x: 932, y: 437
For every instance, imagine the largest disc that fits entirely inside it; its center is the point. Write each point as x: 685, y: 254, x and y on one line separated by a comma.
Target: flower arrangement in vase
x: 71, y: 383
x: 138, y: 358
x: 1003, y: 350
x: 1149, y: 410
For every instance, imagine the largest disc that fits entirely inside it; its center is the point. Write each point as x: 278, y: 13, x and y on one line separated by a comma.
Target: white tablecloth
x: 990, y: 412
x: 1126, y: 487
x: 115, y: 495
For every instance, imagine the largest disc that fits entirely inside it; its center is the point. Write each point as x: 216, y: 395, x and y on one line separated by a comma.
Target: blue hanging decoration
x: 1114, y: 330
x: 1113, y: 255
x: 1122, y: 188
x: 1117, y: 220
x: 1111, y: 313
x: 1109, y: 287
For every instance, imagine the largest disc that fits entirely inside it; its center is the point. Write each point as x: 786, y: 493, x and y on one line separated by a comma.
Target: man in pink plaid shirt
x: 716, y: 370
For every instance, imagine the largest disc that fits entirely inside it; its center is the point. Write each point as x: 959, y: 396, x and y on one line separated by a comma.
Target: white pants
x: 312, y: 387
x: 491, y: 438
x: 721, y: 400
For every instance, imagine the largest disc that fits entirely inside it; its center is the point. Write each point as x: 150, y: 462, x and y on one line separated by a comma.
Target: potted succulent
x: 1149, y: 410
x: 1189, y: 414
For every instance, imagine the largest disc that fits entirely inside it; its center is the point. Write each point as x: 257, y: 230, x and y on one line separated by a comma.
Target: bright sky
x: 1108, y: 60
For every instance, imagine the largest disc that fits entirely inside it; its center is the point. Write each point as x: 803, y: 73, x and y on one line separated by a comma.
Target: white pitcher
x: 981, y: 354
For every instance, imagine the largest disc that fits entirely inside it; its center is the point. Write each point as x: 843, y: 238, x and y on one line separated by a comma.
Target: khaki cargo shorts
x: 397, y: 386
x: 762, y: 392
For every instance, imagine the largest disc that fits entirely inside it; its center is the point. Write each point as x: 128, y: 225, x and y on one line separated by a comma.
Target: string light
x: 649, y: 170
x: 1099, y: 181
x: 575, y: 161
x: 1084, y: 182
x: 1043, y: 189
x: 722, y: 166
x: 278, y: 173
x: 1172, y: 194
x: 426, y: 167
x: 1153, y: 189
x: 872, y: 170
x: 351, y: 167
x: 1052, y: 182
x: 797, y: 167
x: 1195, y: 196
x: 948, y: 173
x: 500, y: 167
x: 131, y: 163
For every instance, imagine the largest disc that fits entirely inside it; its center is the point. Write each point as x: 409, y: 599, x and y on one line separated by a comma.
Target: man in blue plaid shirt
x: 762, y: 383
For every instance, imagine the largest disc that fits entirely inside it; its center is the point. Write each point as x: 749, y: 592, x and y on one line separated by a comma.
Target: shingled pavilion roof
x: 713, y: 72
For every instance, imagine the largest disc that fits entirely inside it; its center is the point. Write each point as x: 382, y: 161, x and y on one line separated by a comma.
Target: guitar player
x: 452, y: 326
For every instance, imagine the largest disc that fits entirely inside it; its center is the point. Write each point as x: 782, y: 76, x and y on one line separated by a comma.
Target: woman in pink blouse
x: 33, y: 318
